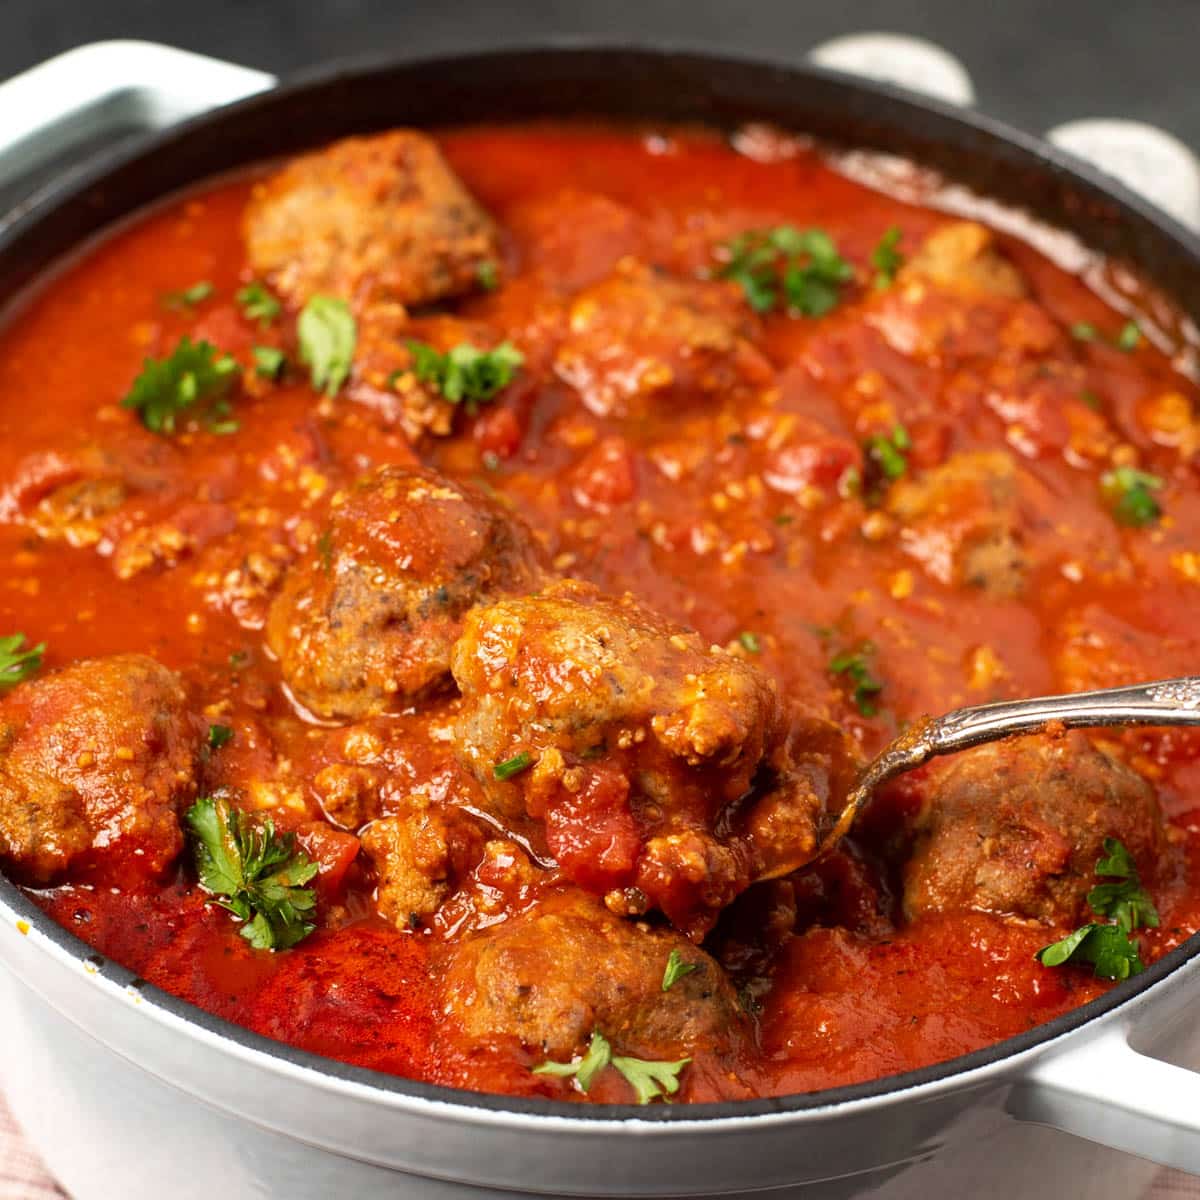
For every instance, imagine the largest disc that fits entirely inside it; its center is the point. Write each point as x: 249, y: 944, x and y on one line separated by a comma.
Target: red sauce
x: 713, y: 514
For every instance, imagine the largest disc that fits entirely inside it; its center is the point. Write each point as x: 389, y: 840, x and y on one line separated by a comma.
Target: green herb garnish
x: 466, y: 374
x: 676, y: 969
x: 325, y: 551
x: 189, y: 297
x: 649, y: 1080
x: 218, y: 736
x: 258, y: 304
x: 18, y: 663
x: 854, y: 666
x: 886, y: 258
x: 268, y: 362
x: 800, y: 267
x: 750, y: 641
x: 487, y: 275
x: 254, y: 873
x: 1084, y: 331
x: 583, y: 1069
x: 1108, y: 948
x: 194, y: 377
x: 886, y: 460
x: 328, y: 334
x: 511, y: 767
x: 1129, y: 338
x: 1130, y: 495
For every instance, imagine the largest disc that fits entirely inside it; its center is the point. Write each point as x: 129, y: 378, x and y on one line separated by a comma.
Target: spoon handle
x: 1163, y: 702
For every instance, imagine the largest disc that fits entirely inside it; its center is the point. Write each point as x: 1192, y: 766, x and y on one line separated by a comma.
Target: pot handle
x: 1147, y: 160
x: 1104, y: 1090
x: 108, y: 88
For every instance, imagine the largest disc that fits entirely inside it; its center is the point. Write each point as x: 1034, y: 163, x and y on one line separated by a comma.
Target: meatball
x: 641, y: 338
x: 419, y: 854
x: 366, y: 617
x: 669, y: 773
x: 98, y: 757
x: 1017, y: 827
x: 567, y: 967
x: 961, y: 522
x: 379, y: 218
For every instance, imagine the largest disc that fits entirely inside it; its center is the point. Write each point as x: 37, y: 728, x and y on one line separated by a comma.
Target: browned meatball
x: 96, y: 758
x: 962, y: 257
x: 669, y: 773
x: 551, y: 976
x: 369, y: 219
x: 366, y: 618
x: 1017, y: 827
x: 643, y: 338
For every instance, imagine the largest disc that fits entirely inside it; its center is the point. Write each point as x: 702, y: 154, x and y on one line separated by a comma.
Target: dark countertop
x: 1035, y: 62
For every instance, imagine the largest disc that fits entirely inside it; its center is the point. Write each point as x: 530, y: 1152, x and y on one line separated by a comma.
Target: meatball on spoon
x: 1164, y: 702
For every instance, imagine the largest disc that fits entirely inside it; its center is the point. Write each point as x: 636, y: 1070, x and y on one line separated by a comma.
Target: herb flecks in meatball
x: 380, y: 218
x: 1017, y: 827
x: 96, y: 760
x: 366, y: 619
x: 668, y: 773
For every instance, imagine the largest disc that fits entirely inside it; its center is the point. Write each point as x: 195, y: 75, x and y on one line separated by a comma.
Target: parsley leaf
x: 328, y: 334
x: 1083, y: 331
x: 1108, y: 948
x: 268, y: 362
x: 650, y: 1079
x: 254, y: 873
x: 18, y: 664
x: 854, y: 666
x: 258, y: 304
x: 1129, y: 494
x: 218, y: 736
x: 801, y: 267
x: 886, y: 460
x: 584, y: 1070
x: 189, y: 297
x: 1127, y: 902
x: 512, y: 767
x: 1129, y: 338
x: 676, y: 969
x: 193, y: 376
x: 750, y: 641
x: 487, y: 276
x: 886, y: 258
x: 466, y: 372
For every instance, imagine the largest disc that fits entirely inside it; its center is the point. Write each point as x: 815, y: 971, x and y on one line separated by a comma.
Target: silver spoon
x: 1165, y: 702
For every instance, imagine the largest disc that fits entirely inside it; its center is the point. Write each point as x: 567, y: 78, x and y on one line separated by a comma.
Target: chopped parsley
x: 750, y: 642
x: 1108, y: 947
x: 1129, y: 338
x: 886, y: 257
x: 465, y: 373
x: 195, y: 378
x: 18, y: 663
x: 854, y: 666
x: 268, y: 362
x: 886, y: 460
x: 676, y: 969
x: 328, y: 334
x: 1130, y: 495
x: 325, y: 551
x: 189, y: 297
x: 487, y: 275
x: 649, y: 1080
x: 254, y: 873
x: 512, y: 767
x: 258, y: 304
x: 799, y: 267
x: 218, y: 736
x: 1084, y: 331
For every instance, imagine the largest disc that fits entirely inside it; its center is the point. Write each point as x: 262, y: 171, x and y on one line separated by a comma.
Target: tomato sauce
x: 729, y: 517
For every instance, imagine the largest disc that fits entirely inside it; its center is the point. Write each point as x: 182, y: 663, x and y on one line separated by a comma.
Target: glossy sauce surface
x: 722, y: 514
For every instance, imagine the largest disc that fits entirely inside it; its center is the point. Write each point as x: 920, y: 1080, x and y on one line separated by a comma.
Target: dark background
x: 1035, y: 62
